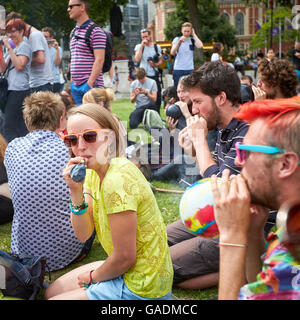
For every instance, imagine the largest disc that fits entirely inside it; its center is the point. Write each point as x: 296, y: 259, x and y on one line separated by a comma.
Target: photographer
x: 143, y: 91
x: 183, y: 49
x: 56, y: 54
x: 148, y: 55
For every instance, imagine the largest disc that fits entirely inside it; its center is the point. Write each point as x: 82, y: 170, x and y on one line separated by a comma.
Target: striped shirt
x: 225, y: 153
x: 82, y: 58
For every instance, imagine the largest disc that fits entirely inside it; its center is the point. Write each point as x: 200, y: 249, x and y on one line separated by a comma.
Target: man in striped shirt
x: 86, y: 62
x: 215, y: 93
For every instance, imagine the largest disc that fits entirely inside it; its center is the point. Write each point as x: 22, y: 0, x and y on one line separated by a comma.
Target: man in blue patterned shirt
x: 215, y: 92
x: 34, y: 163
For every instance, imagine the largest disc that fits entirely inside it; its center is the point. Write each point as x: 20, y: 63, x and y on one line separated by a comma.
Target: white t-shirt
x: 185, y: 55
x: 149, y: 85
x: 147, y: 53
x: 215, y: 57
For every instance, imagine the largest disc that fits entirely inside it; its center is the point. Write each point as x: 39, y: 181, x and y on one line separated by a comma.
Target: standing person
x: 270, y: 54
x: 148, y: 55
x: 131, y: 69
x: 40, y: 196
x: 116, y: 79
x: 40, y: 73
x: 18, y: 64
x: 56, y: 54
x: 116, y: 199
x: 183, y: 48
x: 296, y: 58
x: 217, y: 50
x: 86, y: 60
x: 143, y: 92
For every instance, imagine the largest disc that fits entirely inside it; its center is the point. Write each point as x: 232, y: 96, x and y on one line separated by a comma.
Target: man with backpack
x: 183, y: 48
x: 148, y: 56
x: 88, y: 50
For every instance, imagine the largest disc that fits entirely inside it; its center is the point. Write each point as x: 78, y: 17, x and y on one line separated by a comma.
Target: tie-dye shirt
x: 280, y: 276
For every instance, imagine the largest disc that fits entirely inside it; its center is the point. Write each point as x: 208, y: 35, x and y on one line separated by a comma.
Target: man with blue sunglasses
x: 270, y: 178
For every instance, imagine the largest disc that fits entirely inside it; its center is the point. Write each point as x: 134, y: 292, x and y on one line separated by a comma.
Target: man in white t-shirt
x: 149, y: 57
x: 183, y: 48
x: 143, y: 92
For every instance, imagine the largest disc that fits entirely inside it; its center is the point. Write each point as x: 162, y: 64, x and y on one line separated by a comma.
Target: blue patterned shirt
x: 41, y: 222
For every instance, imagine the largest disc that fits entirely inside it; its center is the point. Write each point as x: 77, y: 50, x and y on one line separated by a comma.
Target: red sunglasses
x: 89, y: 136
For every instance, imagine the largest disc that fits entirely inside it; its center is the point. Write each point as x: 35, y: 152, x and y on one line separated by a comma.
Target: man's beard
x: 214, y: 117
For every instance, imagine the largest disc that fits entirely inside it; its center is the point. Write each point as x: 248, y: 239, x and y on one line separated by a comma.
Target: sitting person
x: 103, y: 97
x: 270, y: 178
x: 6, y: 207
x: 117, y: 200
x: 215, y: 92
x: 41, y: 223
x: 143, y: 92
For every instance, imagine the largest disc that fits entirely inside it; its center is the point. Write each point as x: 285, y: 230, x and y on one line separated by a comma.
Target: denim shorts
x: 116, y: 289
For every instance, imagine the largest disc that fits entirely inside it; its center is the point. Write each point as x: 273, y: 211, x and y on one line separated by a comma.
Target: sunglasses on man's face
x: 243, y: 149
x: 89, y: 136
x: 70, y: 6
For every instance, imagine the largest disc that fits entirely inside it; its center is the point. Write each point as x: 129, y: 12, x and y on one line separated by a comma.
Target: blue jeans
x: 177, y: 74
x: 79, y: 91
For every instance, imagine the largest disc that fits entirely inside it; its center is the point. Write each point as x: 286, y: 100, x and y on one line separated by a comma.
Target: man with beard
x: 270, y: 178
x: 277, y: 79
x: 215, y: 93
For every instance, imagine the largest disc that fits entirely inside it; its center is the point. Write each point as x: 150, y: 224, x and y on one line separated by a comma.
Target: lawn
x: 167, y: 202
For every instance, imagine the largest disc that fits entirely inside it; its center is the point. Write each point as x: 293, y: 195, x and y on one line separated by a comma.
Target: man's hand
x: 231, y: 208
x: 197, y: 129
x: 186, y: 143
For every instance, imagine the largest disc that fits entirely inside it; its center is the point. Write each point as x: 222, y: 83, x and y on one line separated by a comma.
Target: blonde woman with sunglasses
x: 117, y: 201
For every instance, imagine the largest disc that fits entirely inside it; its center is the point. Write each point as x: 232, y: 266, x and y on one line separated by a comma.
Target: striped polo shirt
x: 82, y: 58
x: 225, y: 153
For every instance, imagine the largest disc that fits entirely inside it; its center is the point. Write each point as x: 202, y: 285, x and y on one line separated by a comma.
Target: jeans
x: 136, y: 117
x: 14, y: 125
x: 44, y: 87
x: 177, y: 74
x: 79, y: 91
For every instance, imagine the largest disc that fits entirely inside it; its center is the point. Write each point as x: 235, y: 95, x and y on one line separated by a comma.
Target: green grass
x: 167, y: 202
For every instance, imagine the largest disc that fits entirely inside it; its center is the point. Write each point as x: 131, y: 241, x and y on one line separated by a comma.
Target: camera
x: 154, y: 59
x: 174, y: 112
x: 247, y: 94
x: 50, y: 41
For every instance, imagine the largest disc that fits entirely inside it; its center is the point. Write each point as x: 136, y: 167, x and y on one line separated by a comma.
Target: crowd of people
x: 219, y: 124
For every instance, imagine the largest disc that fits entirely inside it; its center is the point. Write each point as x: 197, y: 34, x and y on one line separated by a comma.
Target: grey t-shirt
x: 19, y: 80
x: 147, y: 53
x: 149, y: 85
x: 40, y: 74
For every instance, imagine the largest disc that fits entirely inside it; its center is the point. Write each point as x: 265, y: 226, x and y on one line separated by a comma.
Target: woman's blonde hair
x: 97, y: 95
x: 105, y: 119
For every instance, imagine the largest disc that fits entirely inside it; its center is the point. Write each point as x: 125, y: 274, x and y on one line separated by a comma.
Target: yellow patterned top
x: 125, y: 188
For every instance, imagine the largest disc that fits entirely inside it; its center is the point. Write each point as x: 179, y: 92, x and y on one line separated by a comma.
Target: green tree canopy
x: 53, y: 13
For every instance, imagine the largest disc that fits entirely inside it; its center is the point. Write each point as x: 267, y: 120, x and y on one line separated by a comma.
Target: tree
x: 53, y: 13
x: 280, y: 17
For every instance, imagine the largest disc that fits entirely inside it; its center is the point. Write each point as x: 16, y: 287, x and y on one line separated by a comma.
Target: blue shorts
x: 116, y: 289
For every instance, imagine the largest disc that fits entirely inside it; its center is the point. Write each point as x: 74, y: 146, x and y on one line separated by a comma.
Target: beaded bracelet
x: 78, y: 210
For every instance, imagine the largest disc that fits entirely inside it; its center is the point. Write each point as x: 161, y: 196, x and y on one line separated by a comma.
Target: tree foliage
x: 212, y: 26
x: 53, y: 13
x: 280, y: 17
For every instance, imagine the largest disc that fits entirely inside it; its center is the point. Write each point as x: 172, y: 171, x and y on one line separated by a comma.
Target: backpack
x: 21, y: 277
x: 151, y: 119
x: 108, y: 47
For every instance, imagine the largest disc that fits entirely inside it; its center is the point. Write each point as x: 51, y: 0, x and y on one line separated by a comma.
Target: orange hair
x: 281, y: 116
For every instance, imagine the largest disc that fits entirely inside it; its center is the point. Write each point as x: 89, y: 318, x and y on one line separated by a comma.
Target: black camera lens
x: 247, y: 94
x: 174, y: 112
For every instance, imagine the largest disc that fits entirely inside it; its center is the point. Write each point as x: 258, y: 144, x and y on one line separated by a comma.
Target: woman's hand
x: 171, y: 123
x: 83, y: 279
x: 75, y: 187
